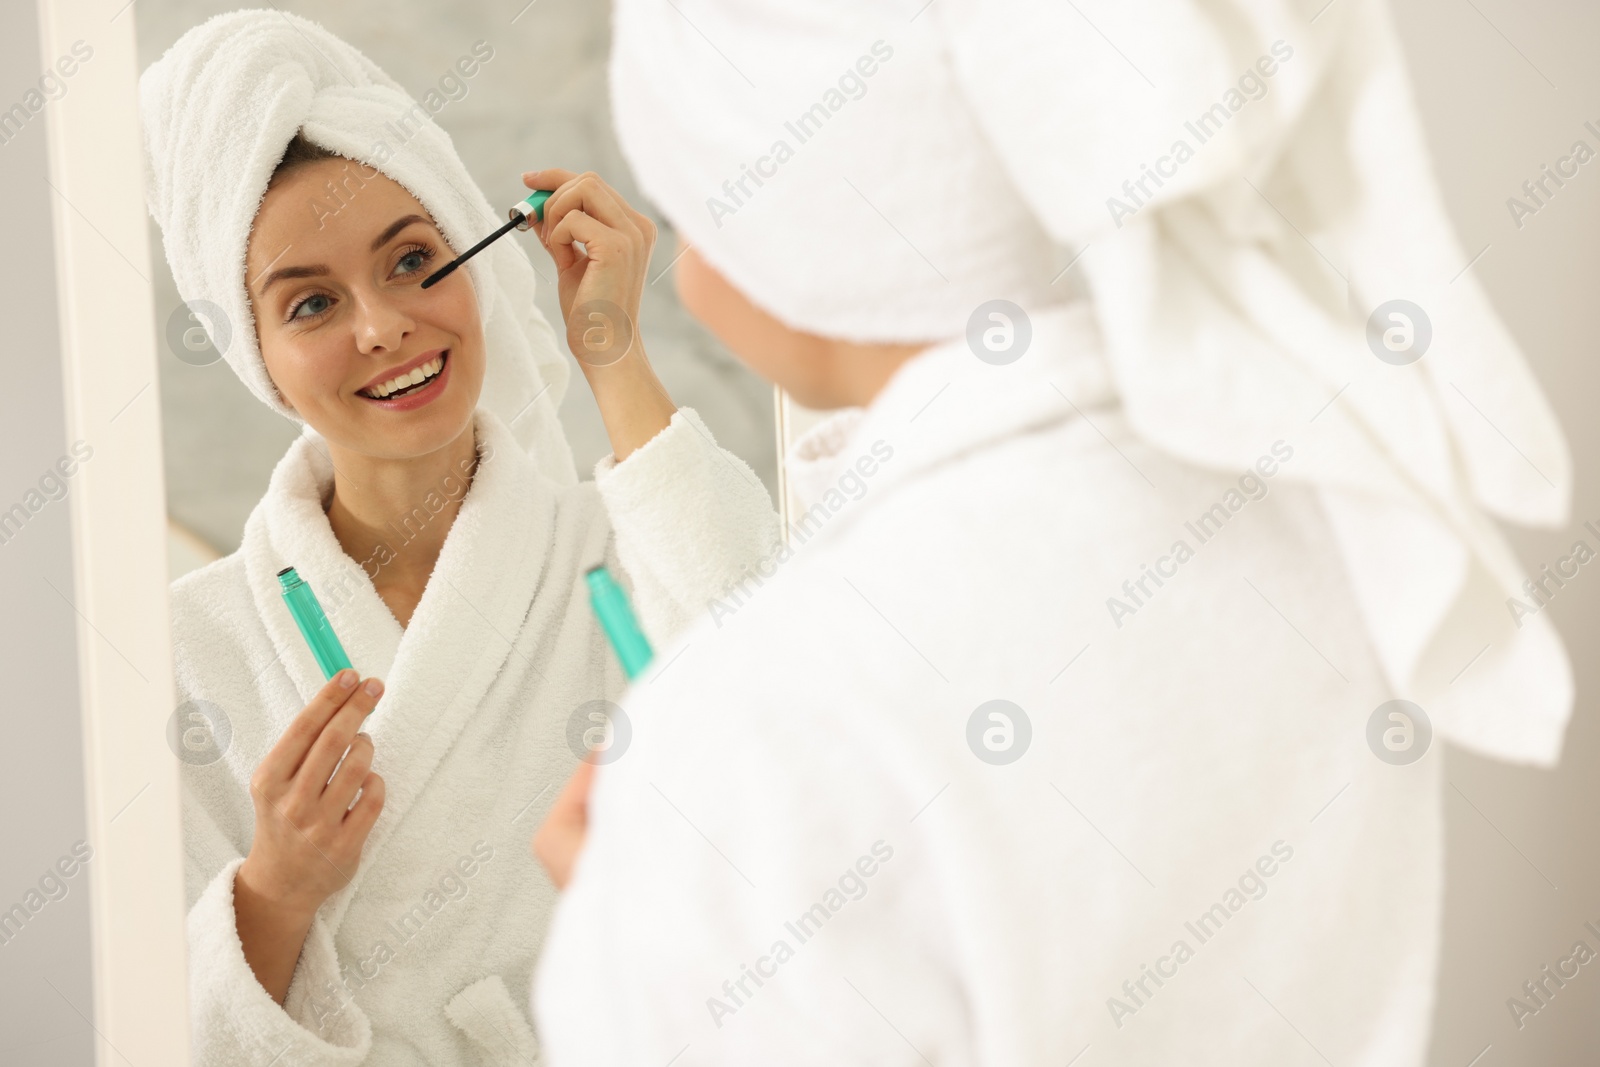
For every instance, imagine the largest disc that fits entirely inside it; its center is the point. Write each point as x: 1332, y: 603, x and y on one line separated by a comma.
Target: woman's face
x: 336, y: 287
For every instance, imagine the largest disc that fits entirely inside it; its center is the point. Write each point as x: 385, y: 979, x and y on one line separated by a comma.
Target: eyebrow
x: 317, y: 270
x: 394, y: 227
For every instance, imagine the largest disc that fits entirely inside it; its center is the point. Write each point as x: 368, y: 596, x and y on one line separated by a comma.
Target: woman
x: 357, y: 889
x: 1068, y: 733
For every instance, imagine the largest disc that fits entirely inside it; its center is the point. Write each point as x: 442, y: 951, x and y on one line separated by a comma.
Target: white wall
x: 1505, y: 86
x: 45, y: 981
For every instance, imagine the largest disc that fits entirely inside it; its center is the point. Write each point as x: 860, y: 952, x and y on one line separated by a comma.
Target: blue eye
x: 317, y: 302
x: 415, y: 259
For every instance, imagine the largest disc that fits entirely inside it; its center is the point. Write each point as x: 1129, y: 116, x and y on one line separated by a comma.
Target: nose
x: 380, y: 323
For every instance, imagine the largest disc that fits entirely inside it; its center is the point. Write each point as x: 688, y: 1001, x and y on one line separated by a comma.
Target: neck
x: 381, y: 513
x: 860, y: 371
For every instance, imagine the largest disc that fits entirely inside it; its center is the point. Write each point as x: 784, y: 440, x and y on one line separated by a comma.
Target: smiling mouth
x: 406, y: 384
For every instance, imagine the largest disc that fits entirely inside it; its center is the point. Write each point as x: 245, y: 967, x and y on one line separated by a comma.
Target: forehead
x: 328, y: 205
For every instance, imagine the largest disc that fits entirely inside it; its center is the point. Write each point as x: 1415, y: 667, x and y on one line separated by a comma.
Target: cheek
x: 459, y: 315
x: 762, y: 343
x: 302, y: 367
x: 455, y: 315
x: 690, y: 279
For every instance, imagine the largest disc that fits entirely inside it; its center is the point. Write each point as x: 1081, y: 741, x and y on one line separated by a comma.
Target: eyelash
x: 425, y: 251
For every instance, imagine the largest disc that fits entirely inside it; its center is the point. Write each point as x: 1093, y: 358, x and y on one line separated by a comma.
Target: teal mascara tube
x: 314, y: 625
x: 610, y: 606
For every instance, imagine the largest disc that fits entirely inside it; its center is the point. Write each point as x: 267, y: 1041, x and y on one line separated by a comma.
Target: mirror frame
x: 105, y: 308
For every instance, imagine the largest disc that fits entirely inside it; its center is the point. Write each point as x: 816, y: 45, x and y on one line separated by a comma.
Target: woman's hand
x: 600, y: 288
x: 560, y: 837
x: 600, y: 285
x: 309, y: 826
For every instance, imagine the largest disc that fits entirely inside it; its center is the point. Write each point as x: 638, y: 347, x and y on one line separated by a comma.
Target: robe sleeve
x: 233, y: 1020
x: 692, y: 521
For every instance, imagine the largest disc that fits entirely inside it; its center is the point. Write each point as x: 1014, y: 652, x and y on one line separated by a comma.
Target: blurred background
x: 1505, y: 87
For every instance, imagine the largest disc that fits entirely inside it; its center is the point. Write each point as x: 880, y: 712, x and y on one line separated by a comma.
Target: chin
x: 438, y: 430
x: 407, y: 435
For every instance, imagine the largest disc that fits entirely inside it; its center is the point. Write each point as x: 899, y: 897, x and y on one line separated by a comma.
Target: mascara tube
x: 314, y: 625
x: 530, y: 207
x: 610, y: 606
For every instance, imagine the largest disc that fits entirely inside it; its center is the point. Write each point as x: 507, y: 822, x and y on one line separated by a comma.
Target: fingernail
x: 347, y: 679
x: 374, y: 687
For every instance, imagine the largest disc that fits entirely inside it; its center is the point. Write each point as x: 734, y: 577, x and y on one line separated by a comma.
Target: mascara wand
x: 533, y: 203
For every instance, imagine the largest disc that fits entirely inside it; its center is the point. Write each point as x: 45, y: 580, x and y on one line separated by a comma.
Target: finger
x: 587, y: 193
x: 642, y: 222
x: 552, y: 178
x: 601, y: 242
x: 647, y: 229
x: 353, y: 770
x: 285, y: 757
x: 605, y: 203
x: 554, y: 846
x: 571, y: 807
x: 561, y: 836
x: 549, y: 178
x: 564, y: 256
x: 365, y: 812
x: 313, y: 775
x: 579, y: 787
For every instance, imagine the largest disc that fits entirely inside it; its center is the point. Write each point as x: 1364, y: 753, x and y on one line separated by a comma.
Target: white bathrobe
x: 802, y: 858
x: 425, y: 957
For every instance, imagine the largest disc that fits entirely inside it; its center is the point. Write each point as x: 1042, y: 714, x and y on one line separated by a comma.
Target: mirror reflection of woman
x: 347, y: 840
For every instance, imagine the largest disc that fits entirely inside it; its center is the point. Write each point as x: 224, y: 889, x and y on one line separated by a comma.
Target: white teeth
x: 418, y: 374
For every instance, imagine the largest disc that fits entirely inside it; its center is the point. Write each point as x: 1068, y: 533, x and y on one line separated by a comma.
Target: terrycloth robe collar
x: 436, y: 670
x: 945, y: 403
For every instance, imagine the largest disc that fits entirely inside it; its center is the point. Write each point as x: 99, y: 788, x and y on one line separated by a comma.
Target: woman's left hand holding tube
x: 600, y: 287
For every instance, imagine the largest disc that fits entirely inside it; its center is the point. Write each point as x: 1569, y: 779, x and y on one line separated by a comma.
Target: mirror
x: 475, y: 77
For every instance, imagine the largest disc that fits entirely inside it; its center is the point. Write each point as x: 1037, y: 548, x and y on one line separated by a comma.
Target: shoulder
x: 209, y: 593
x: 1071, y: 491
x: 214, y: 620
x: 580, y: 525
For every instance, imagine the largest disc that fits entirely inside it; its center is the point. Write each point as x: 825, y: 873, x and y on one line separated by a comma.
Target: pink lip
x: 426, y: 395
x: 404, y: 368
